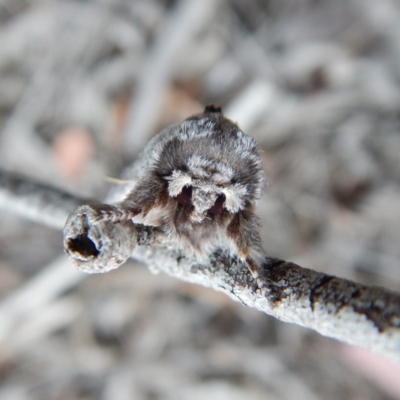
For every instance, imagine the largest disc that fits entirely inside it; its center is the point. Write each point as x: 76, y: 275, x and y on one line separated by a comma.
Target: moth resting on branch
x: 190, y: 214
x: 197, y: 185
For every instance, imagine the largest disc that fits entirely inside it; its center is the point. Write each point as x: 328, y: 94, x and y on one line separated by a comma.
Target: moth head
x: 210, y: 165
x: 206, y: 194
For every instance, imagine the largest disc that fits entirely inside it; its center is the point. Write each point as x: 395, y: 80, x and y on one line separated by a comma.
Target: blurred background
x: 85, y: 84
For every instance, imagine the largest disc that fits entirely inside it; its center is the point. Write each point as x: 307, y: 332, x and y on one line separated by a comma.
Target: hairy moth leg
x: 243, y: 230
x: 91, y: 214
x: 139, y: 201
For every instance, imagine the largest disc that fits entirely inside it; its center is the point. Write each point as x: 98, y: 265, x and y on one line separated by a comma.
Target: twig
x: 36, y: 295
x: 252, y: 104
x: 36, y: 201
x: 53, y: 316
x: 364, y: 316
x: 183, y: 23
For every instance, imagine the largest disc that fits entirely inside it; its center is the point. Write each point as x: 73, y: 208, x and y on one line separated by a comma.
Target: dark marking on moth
x: 184, y: 198
x: 218, y: 206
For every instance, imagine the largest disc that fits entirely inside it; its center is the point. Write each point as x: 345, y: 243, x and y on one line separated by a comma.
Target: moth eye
x: 218, y: 206
x: 184, y: 198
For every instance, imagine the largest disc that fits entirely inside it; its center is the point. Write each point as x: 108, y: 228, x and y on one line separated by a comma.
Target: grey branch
x: 364, y: 316
x: 36, y: 201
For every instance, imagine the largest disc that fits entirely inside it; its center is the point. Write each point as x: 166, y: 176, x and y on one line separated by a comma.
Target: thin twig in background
x: 28, y: 303
x: 171, y: 39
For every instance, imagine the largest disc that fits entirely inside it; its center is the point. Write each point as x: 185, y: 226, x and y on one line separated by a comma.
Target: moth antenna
x: 119, y: 181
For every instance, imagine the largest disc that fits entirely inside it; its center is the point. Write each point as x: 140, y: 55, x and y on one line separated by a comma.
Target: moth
x: 198, y: 183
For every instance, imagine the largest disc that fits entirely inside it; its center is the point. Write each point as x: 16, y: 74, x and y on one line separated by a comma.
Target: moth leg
x: 91, y: 214
x: 139, y: 201
x: 149, y: 192
x: 243, y: 230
